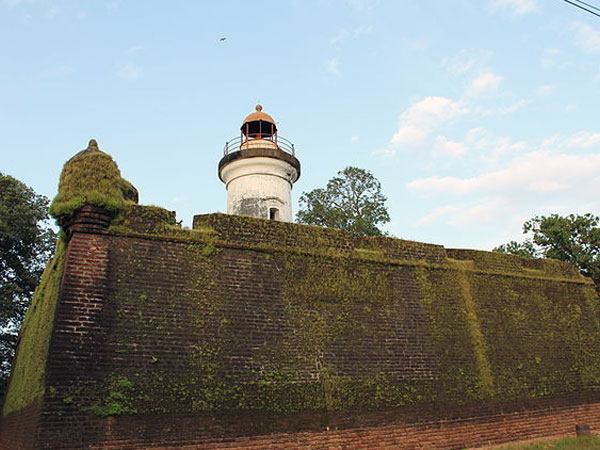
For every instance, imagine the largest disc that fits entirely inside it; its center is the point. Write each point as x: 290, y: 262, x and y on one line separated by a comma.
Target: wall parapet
x: 256, y: 232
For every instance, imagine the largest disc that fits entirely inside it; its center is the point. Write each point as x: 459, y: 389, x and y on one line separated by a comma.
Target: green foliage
x: 143, y: 219
x: 574, y: 238
x: 117, y: 398
x: 91, y: 177
x: 525, y: 249
x: 572, y: 443
x: 26, y: 243
x: 352, y: 202
x: 27, y: 382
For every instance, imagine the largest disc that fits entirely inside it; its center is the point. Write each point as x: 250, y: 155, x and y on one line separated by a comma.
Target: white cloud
x: 445, y: 147
x: 361, y: 30
x: 409, y: 135
x: 343, y: 34
x: 582, y: 139
x: 535, y: 172
x: 492, y: 147
x: 502, y: 110
x: 586, y: 37
x: 340, y: 37
x: 465, y: 61
x: 130, y: 71
x: 437, y: 213
x: 135, y: 49
x: 422, y: 117
x: 485, y: 211
x: 333, y: 66
x: 538, y: 182
x: 516, y: 7
x: 484, y: 84
x: 361, y: 6
x: 354, y: 138
x: 549, y: 58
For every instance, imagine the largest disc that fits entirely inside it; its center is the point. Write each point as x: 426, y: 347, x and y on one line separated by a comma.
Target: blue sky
x: 475, y: 115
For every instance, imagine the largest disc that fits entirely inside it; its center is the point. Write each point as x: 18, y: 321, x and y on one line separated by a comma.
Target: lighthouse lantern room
x: 259, y: 169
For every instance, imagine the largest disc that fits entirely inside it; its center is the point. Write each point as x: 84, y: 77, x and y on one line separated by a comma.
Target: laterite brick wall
x: 250, y: 334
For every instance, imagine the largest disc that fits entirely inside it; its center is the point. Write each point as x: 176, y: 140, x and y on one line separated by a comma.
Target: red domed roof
x: 258, y: 115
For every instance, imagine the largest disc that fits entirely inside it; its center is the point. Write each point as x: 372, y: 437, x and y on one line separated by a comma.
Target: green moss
x: 154, y: 221
x: 117, y: 398
x: 91, y: 178
x: 143, y: 219
x: 543, y: 338
x: 326, y: 332
x: 451, y: 335
x: 27, y: 380
x: 485, y: 379
x: 336, y: 280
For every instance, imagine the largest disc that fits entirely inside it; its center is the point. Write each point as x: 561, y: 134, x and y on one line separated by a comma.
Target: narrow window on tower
x: 273, y: 214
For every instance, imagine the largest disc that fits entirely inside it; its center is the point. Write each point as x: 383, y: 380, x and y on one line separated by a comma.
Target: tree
x: 574, y: 238
x: 352, y: 201
x: 526, y: 249
x: 26, y: 243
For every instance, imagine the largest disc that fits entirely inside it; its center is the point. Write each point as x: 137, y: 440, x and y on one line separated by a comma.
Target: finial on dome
x: 92, y: 145
x: 259, y: 107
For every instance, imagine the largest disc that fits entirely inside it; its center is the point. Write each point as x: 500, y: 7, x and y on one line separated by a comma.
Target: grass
x: 580, y: 443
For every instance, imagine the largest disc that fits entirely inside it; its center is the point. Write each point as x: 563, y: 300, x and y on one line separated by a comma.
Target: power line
x: 583, y: 7
x: 587, y: 4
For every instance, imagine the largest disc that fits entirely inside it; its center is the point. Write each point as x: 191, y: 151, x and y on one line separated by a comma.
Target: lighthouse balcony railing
x: 240, y: 142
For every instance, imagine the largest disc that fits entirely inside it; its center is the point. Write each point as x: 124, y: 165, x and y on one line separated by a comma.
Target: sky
x: 475, y: 115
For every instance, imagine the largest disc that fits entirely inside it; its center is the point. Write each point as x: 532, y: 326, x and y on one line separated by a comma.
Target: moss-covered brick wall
x: 248, y: 326
x: 27, y: 383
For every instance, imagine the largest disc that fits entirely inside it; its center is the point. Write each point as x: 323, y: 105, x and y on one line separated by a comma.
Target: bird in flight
x: 222, y: 39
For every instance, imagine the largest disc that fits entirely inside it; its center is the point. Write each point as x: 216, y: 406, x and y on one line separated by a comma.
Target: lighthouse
x: 259, y: 168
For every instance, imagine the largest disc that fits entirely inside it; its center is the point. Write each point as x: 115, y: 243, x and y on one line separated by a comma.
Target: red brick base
x: 435, y: 435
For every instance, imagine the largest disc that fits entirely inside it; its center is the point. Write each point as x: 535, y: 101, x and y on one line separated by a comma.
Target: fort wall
x: 248, y: 333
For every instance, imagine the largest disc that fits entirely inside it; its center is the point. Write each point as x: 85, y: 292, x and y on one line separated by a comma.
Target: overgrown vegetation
x: 342, y: 298
x: 579, y: 443
x: 26, y: 243
x: 27, y: 382
x: 329, y: 334
x: 116, y: 400
x: 91, y: 177
x: 574, y: 238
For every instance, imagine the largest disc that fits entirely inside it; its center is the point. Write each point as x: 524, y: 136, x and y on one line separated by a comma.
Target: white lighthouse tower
x: 259, y: 169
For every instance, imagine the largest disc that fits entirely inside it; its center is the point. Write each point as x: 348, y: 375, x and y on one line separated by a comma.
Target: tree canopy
x: 352, y: 201
x: 574, y: 238
x: 26, y: 243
